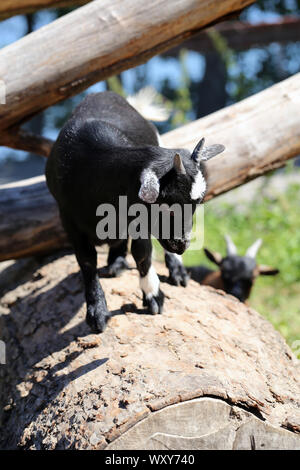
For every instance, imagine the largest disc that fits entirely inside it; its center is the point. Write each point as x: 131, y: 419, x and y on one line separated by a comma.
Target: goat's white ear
x: 211, y: 151
x: 213, y: 256
x: 149, y: 189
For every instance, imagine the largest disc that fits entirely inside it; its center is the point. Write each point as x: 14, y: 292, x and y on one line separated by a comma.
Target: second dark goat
x: 236, y: 274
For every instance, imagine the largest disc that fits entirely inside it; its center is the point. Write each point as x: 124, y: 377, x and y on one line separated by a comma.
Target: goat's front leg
x: 177, y: 273
x: 97, y: 313
x: 153, y: 297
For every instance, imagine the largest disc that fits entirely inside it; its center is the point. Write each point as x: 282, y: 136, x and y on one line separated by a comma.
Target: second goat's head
x: 238, y: 273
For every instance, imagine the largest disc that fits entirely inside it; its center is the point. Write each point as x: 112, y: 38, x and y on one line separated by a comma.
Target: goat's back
x: 102, y: 132
x: 112, y: 109
x: 206, y: 276
x: 199, y: 273
x: 97, y: 156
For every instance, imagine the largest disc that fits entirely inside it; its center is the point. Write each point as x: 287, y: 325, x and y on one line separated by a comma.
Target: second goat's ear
x: 267, y: 270
x: 213, y: 256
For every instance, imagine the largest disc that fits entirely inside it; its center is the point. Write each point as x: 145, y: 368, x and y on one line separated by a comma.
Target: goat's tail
x: 144, y: 102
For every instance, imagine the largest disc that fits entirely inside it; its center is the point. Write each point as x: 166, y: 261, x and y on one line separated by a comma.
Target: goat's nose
x: 179, y: 246
x: 184, y: 244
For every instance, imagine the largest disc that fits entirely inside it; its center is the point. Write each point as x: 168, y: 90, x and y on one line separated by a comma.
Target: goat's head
x: 239, y: 272
x: 177, y: 179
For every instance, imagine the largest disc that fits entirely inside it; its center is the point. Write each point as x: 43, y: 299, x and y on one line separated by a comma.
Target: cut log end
x: 208, y: 373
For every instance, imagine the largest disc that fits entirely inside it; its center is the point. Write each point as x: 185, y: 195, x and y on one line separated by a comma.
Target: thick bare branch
x: 260, y: 133
x: 21, y: 139
x: 238, y: 35
x: 92, y: 43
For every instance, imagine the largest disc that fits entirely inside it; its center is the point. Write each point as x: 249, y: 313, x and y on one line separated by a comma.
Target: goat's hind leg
x: 153, y: 297
x: 97, y: 313
x: 116, y: 261
x: 178, y: 275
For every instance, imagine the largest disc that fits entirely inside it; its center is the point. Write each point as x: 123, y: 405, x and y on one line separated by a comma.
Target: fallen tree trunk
x: 92, y: 43
x: 260, y: 134
x: 21, y: 7
x: 209, y: 373
x: 29, y: 205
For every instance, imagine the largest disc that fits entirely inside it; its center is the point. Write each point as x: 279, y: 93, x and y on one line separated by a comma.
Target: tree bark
x: 92, y: 43
x: 209, y: 373
x: 260, y: 134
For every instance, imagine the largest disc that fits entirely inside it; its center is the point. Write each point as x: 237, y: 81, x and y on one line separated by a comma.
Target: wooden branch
x: 241, y: 36
x: 260, y: 133
x: 21, y: 139
x: 92, y: 43
x: 210, y: 373
x: 38, y: 228
x: 20, y: 7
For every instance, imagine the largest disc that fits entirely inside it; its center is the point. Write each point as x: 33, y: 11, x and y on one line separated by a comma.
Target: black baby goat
x: 106, y: 150
x: 236, y: 274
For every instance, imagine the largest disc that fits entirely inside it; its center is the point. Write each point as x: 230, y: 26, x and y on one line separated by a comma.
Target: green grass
x: 277, y: 221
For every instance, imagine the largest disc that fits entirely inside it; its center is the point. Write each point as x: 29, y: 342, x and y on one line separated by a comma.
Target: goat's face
x: 177, y: 189
x: 238, y: 273
x: 176, y: 203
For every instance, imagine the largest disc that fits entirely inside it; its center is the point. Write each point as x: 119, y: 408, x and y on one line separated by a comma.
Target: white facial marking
x: 150, y: 283
x: 198, y: 187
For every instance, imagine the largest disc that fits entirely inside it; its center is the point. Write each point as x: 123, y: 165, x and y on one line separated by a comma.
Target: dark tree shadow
x: 37, y: 325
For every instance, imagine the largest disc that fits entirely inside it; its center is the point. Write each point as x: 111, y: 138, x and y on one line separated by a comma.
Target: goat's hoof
x: 97, y: 321
x: 155, y: 304
x: 179, y: 276
x: 117, y: 267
